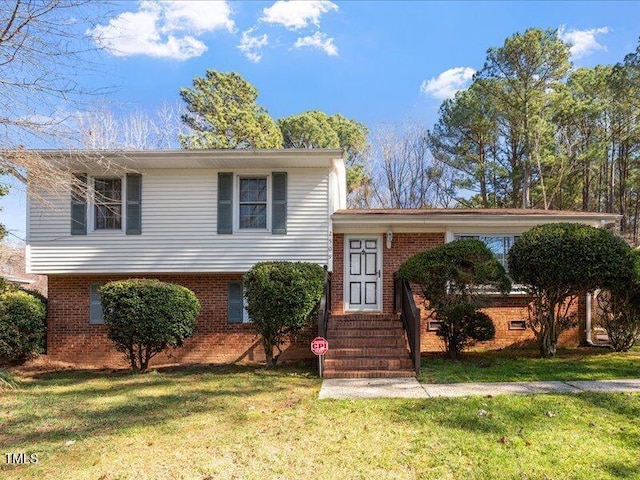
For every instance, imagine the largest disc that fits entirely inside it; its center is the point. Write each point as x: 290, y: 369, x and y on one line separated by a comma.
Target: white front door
x: 363, y: 275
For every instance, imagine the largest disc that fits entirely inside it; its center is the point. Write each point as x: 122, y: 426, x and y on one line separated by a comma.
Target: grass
x: 525, y: 365
x: 246, y: 423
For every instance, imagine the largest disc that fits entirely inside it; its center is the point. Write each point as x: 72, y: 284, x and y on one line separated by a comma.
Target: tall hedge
x: 557, y: 263
x: 145, y: 317
x: 281, y: 300
x: 22, y: 325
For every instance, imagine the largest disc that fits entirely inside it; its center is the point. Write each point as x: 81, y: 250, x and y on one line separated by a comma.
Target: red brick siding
x: 71, y: 338
x: 403, y: 246
x: 500, y: 309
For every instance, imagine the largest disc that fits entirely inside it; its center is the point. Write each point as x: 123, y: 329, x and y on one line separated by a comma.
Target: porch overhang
x: 443, y: 220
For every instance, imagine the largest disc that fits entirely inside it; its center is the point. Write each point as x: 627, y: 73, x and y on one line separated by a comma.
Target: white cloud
x: 163, y: 29
x: 448, y: 82
x: 318, y: 40
x: 250, y: 45
x: 583, y: 42
x: 295, y: 15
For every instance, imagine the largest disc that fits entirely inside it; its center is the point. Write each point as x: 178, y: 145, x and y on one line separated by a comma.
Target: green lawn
x: 525, y: 365
x: 212, y: 422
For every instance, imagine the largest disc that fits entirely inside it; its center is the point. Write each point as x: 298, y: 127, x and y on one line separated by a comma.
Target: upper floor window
x: 107, y: 199
x: 252, y: 203
x: 498, y: 244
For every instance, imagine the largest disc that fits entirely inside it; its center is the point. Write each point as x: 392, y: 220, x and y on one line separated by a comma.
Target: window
x: 498, y: 244
x: 106, y: 204
x: 252, y: 204
x: 237, y: 304
x: 434, y: 325
x: 517, y: 325
x: 107, y: 199
x: 95, y: 305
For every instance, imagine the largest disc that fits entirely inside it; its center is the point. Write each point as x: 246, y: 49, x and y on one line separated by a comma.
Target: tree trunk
x: 548, y: 339
x: 271, y: 361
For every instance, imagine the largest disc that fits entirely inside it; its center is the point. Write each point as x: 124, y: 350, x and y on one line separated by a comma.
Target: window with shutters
x: 106, y: 204
x: 95, y: 305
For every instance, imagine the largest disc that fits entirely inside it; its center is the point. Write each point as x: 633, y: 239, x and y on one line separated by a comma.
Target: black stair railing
x: 323, y: 316
x: 410, y: 316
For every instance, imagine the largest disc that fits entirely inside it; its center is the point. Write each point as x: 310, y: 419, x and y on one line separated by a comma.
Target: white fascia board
x: 181, y: 159
x: 347, y: 222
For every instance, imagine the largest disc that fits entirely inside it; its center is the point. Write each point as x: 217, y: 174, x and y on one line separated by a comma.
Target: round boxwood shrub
x: 22, y: 325
x: 462, y: 326
x: 557, y: 263
x: 281, y: 300
x: 145, y: 317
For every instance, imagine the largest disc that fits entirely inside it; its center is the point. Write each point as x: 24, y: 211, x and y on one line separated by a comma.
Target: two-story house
x: 203, y: 218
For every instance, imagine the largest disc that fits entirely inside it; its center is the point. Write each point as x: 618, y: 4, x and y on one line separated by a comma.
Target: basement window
x: 434, y: 325
x: 517, y: 325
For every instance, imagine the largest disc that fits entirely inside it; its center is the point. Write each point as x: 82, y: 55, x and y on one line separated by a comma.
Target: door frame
x: 345, y: 289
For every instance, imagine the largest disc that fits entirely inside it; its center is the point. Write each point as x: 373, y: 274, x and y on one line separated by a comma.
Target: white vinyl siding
x: 179, y: 216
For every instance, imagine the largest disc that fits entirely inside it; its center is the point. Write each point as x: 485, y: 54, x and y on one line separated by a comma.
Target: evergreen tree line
x: 531, y: 131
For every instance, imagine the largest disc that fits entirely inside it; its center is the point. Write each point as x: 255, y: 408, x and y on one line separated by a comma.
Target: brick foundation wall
x: 71, y: 338
x: 501, y: 310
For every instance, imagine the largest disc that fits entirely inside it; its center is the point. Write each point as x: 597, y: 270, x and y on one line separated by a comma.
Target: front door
x: 363, y: 274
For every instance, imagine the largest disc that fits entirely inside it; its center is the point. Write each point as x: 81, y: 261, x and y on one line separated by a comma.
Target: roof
x: 441, y: 219
x: 471, y: 211
x: 87, y: 160
x: 14, y: 279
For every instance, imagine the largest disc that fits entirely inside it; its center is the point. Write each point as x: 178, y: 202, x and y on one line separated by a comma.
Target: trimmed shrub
x: 145, y: 317
x: 22, y: 325
x: 620, y: 307
x: 281, y: 300
x: 462, y: 326
x: 454, y: 278
x: 557, y: 263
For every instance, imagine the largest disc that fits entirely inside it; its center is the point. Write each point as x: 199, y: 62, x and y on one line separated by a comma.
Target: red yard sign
x: 319, y: 345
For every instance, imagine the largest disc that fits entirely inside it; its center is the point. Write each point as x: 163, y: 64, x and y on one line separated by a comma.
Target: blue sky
x: 376, y: 62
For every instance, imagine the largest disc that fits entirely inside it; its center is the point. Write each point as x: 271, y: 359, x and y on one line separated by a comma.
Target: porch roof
x: 443, y: 219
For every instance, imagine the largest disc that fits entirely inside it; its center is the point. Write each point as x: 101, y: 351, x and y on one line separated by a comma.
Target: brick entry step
x: 367, y: 346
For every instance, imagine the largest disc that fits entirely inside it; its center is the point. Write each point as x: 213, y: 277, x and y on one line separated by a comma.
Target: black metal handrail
x: 410, y: 316
x: 323, y: 317
x: 324, y: 307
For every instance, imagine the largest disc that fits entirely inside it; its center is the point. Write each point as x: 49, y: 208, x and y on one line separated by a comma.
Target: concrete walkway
x: 344, y: 388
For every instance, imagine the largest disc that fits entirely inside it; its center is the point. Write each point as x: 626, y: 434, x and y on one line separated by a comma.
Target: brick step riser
x: 363, y: 318
x: 381, y: 352
x: 373, y: 325
x: 380, y: 342
x: 368, y: 374
x: 368, y: 364
x: 347, y: 333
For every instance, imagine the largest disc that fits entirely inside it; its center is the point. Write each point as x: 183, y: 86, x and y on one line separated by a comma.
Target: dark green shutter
x: 235, y: 303
x: 134, y: 204
x: 79, y: 205
x: 225, y: 203
x: 279, y: 202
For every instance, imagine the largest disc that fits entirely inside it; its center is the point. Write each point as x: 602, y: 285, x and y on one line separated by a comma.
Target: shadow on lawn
x: 70, y: 405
